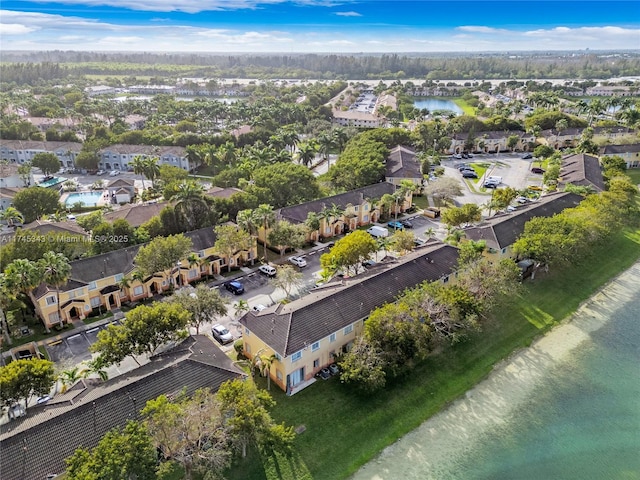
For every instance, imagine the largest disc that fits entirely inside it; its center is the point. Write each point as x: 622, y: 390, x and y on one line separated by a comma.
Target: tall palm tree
x: 326, y: 143
x: 124, y: 284
x: 152, y: 169
x: 55, y: 270
x: 11, y: 215
x: 265, y: 217
x: 69, y: 378
x: 263, y: 363
x: 21, y: 276
x: 307, y: 152
x: 340, y: 138
x: 138, y: 164
x: 227, y: 153
x: 248, y: 221
x: 94, y: 367
x: 401, y: 192
x: 187, y: 196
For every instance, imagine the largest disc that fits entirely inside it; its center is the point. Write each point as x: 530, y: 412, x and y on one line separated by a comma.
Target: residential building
x: 121, y: 190
x: 35, y: 446
x: 491, y: 142
x: 613, y: 90
x: 355, y: 208
x: 354, y: 118
x: 629, y: 153
x: 402, y: 164
x: 582, y: 170
x: 61, y: 124
x: 6, y: 196
x: 569, y: 137
x: 119, y: 156
x: 100, y: 90
x: 20, y: 151
x: 10, y: 178
x: 501, y: 231
x: 305, y: 335
x: 136, y: 214
x: 95, y: 282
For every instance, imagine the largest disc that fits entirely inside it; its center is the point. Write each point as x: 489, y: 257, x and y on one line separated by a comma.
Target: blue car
x: 395, y: 225
x: 234, y: 287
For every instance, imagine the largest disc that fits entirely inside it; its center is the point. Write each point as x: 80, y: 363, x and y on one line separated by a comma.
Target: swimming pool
x: 52, y: 181
x: 88, y: 199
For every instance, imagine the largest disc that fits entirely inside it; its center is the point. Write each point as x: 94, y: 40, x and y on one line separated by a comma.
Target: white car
x: 258, y: 308
x: 268, y: 270
x: 298, y: 261
x: 100, y: 172
x: 114, y: 173
x: 221, y: 334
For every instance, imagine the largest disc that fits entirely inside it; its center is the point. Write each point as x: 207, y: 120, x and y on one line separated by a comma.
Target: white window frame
x: 348, y: 329
x: 315, y: 347
x: 296, y: 356
x: 118, y: 277
x: 93, y: 286
x: 139, y: 290
x: 95, y: 302
x: 332, y: 337
x: 51, y: 300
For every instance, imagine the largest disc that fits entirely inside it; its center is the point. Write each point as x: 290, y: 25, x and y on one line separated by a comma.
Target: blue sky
x: 345, y: 26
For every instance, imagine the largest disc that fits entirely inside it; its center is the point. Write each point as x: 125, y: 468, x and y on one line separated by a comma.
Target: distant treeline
x: 25, y: 67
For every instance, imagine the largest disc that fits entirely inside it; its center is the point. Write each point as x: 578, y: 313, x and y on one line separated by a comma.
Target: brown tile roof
x: 51, y: 433
x: 43, y: 227
x: 289, y: 328
x: 9, y: 192
x: 298, y: 213
x: 8, y: 169
x: 503, y: 230
x: 620, y: 149
x: 219, y: 192
x: 136, y: 214
x: 582, y: 169
x: 41, y: 145
x: 402, y: 163
x: 121, y: 182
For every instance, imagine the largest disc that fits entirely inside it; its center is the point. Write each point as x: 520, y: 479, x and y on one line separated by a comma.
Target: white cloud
x: 348, y: 14
x: 482, y: 29
x: 15, y: 29
x: 187, y: 6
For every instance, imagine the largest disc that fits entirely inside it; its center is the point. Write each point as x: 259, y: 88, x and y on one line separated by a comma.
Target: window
x: 296, y: 356
x: 201, y: 253
x: 445, y: 279
x: 138, y: 290
x: 247, y: 348
x: 246, y: 331
x: 316, y: 363
x: 51, y: 300
x: 53, y: 317
x: 279, y: 375
x: 192, y: 273
x: 119, y: 277
x: 95, y: 302
x: 365, y: 219
x: 332, y: 338
x: 72, y: 294
x: 348, y: 330
x: 93, y: 286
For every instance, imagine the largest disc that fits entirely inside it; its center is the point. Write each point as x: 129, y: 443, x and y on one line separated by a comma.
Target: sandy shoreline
x: 444, y: 439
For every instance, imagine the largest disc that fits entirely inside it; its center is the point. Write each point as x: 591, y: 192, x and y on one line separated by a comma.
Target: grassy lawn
x: 345, y: 430
x: 634, y: 174
x: 37, y: 331
x: 466, y: 108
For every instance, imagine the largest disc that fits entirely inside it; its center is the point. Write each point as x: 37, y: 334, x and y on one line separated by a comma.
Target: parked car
x: 406, y: 223
x: 527, y: 156
x: 458, y: 156
x: 469, y: 155
x: 258, y: 308
x: 268, y: 270
x: 235, y: 287
x: 100, y: 172
x: 463, y: 166
x: 395, y: 225
x: 221, y: 334
x: 114, y: 173
x: 469, y: 174
x: 412, y: 208
x: 298, y: 261
x: 368, y: 263
x: 522, y: 199
x: 490, y: 184
x: 334, y: 369
x: 535, y: 188
x: 537, y: 170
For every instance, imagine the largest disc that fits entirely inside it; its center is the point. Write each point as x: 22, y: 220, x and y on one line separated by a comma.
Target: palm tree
x: 187, y: 196
x: 307, y: 152
x: 152, y: 169
x: 248, y: 221
x: 401, y: 192
x: 383, y: 244
x: 55, y: 271
x: 263, y: 363
x: 241, y: 307
x: 227, y: 153
x: 69, y: 378
x: 124, y: 284
x: 21, y: 276
x: 96, y: 367
x: 340, y: 138
x: 325, y: 142
x: 138, y: 164
x: 265, y: 217
x: 11, y: 215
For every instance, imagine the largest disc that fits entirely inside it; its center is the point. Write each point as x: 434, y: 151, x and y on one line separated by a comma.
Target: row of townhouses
x: 113, y: 157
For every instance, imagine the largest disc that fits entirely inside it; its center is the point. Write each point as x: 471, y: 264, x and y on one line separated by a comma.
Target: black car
x: 527, y: 156
x: 469, y: 174
x: 537, y: 170
x: 406, y: 223
x: 234, y: 287
x: 463, y: 166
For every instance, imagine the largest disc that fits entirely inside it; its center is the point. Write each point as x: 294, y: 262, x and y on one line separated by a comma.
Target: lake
x: 433, y: 104
x: 566, y: 408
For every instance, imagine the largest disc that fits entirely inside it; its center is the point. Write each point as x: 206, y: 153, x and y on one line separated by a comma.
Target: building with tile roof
x: 501, y: 231
x: 96, y: 282
x: 21, y: 151
x: 582, y: 170
x: 119, y: 156
x: 305, y: 335
x: 491, y: 141
x: 136, y: 213
x: 402, y: 164
x: 630, y: 153
x: 359, y: 207
x: 36, y: 445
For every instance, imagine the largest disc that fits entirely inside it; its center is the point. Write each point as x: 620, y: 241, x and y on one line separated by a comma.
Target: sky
x: 319, y: 26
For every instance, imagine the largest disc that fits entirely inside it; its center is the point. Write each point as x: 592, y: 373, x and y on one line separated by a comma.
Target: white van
x: 378, y: 232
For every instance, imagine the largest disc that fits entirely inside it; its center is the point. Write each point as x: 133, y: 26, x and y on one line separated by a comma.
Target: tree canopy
x: 34, y: 202
x: 162, y: 253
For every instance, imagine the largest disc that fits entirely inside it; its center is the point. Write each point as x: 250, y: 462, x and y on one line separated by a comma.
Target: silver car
x: 221, y: 334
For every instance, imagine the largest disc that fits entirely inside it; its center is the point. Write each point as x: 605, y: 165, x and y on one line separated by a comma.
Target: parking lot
x: 73, y: 349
